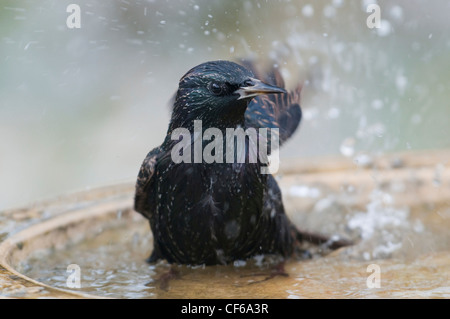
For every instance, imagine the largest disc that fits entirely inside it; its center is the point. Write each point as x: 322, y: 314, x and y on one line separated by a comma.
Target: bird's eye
x: 215, y: 88
x: 248, y: 83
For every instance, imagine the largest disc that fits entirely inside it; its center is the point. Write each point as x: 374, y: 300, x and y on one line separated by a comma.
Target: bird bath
x: 396, y: 208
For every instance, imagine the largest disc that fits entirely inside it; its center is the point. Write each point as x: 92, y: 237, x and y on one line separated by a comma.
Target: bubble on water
x: 196, y: 7
x: 347, y: 147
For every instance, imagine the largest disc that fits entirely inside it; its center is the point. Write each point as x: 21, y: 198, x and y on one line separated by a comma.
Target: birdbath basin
x: 395, y: 208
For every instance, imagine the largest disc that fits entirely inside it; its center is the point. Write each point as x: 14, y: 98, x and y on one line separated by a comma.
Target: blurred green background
x: 81, y: 108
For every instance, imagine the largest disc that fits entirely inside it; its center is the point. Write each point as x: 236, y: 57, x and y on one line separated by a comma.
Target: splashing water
x: 383, y: 225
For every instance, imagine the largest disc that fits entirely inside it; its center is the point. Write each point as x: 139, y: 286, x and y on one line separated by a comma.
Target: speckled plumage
x: 217, y: 213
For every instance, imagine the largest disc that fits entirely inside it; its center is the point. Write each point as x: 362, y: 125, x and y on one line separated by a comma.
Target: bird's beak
x: 254, y: 87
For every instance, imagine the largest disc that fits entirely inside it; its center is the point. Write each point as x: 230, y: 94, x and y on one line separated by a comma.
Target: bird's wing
x: 144, y: 181
x: 281, y: 229
x: 280, y: 111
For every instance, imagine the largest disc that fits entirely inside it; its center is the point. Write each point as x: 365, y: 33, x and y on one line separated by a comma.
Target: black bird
x: 216, y: 213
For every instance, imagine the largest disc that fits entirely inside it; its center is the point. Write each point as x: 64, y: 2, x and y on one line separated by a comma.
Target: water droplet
x: 348, y: 147
x: 437, y: 179
x: 385, y: 28
x: 416, y: 119
x: 329, y: 11
x: 377, y: 104
x: 239, y: 263
x: 310, y: 113
x: 28, y: 45
x: 397, y: 13
x: 338, y: 3
x: 401, y: 82
x: 333, y: 113
x: 308, y: 10
x: 363, y: 160
x: 304, y: 191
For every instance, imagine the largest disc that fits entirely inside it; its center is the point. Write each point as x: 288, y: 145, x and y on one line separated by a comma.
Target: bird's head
x: 217, y: 93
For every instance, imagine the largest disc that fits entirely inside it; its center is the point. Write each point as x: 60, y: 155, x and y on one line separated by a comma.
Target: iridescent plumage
x: 217, y: 213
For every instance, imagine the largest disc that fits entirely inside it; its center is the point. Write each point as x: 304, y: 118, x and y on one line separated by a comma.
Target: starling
x: 218, y: 212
